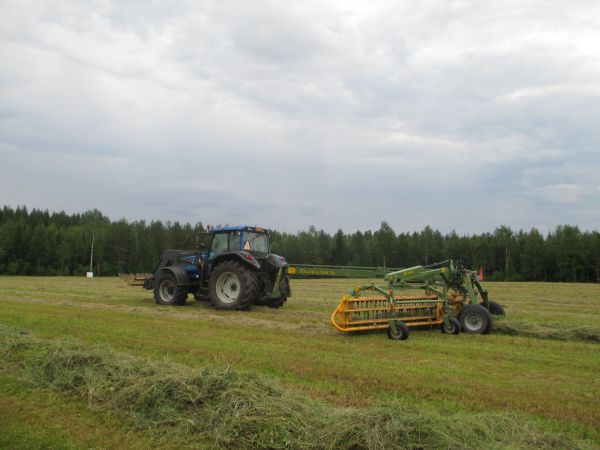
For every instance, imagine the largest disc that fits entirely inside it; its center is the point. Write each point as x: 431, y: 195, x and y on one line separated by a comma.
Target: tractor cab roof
x: 239, y: 228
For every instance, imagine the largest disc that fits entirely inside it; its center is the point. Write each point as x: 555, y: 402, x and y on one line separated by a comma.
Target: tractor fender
x: 180, y: 275
x: 276, y: 260
x: 245, y: 258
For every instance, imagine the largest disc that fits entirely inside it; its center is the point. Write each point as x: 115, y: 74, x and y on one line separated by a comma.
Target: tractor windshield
x: 256, y: 243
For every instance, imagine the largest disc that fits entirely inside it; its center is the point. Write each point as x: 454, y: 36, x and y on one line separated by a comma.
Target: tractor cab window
x: 223, y: 242
x: 234, y: 241
x: 219, y: 243
x: 256, y: 243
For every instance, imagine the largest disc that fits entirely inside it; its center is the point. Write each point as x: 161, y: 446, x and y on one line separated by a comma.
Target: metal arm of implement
x: 314, y: 270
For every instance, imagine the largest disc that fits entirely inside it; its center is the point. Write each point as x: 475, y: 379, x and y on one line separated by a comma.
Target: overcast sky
x: 460, y: 115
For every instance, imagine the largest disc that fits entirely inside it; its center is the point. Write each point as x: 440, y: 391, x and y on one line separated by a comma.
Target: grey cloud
x: 336, y: 114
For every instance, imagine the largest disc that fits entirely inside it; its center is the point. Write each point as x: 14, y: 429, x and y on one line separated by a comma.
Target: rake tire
x: 453, y: 328
x: 495, y: 308
x: 402, y: 331
x: 475, y: 319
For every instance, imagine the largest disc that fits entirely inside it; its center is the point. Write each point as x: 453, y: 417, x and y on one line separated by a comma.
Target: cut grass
x: 547, y: 378
x: 552, y: 381
x: 547, y: 331
x: 231, y: 409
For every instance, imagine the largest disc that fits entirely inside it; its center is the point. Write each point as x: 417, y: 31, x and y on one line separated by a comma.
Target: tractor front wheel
x: 231, y: 286
x: 167, y: 291
x: 475, y: 319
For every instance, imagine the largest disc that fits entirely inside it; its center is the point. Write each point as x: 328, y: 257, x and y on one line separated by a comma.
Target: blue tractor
x: 233, y: 268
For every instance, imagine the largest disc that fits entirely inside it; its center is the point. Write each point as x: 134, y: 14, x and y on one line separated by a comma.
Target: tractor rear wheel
x: 401, y: 333
x: 475, y: 319
x: 168, y: 292
x: 231, y: 286
x: 453, y: 326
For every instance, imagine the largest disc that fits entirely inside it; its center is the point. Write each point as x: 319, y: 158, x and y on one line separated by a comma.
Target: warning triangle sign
x: 247, y: 246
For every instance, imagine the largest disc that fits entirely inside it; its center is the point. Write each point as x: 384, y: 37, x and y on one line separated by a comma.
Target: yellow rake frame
x: 375, y: 312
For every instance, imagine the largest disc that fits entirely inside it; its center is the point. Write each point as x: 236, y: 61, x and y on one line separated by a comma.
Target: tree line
x: 38, y: 242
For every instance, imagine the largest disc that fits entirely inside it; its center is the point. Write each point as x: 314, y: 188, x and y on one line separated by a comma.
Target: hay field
x: 535, y: 382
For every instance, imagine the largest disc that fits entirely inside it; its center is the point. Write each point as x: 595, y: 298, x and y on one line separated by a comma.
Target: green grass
x: 552, y: 381
x: 226, y: 408
x: 47, y: 419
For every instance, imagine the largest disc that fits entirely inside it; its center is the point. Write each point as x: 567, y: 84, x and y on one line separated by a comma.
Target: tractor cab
x: 252, y: 240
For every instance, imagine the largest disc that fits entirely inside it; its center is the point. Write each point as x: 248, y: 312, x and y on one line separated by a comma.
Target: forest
x: 39, y: 242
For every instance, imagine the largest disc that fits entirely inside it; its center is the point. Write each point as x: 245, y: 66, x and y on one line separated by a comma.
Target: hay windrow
x: 547, y: 331
x: 226, y: 408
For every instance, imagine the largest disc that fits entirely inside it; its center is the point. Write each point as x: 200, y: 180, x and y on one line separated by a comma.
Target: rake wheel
x: 401, y: 333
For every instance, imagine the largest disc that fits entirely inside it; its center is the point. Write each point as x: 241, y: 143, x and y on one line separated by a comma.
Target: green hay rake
x: 444, y: 295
